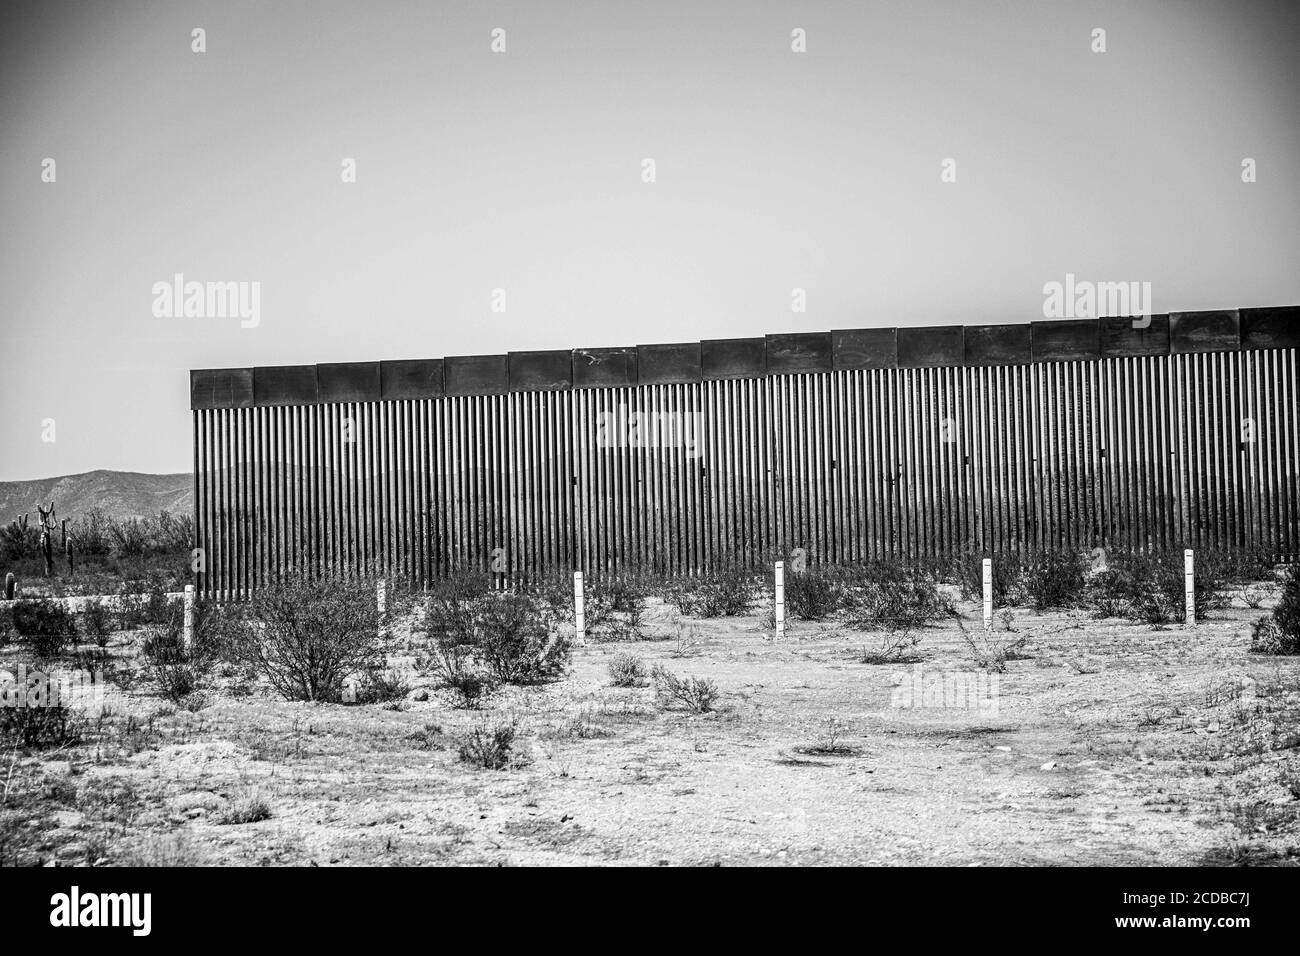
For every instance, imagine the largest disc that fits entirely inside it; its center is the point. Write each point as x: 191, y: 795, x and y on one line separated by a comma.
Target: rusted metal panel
x: 733, y: 358
x: 1204, y: 331
x: 285, y: 385
x: 997, y: 345
x: 411, y: 379
x: 221, y: 388
x: 604, y: 367
x: 668, y: 364
x: 1274, y: 328
x: 349, y: 382
x: 864, y: 348
x: 541, y: 371
x: 476, y: 374
x: 931, y: 346
x: 1065, y: 340
x: 1140, y: 335
x: 799, y: 352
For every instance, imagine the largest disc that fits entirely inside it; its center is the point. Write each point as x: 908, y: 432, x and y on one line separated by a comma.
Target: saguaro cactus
x: 47, y: 536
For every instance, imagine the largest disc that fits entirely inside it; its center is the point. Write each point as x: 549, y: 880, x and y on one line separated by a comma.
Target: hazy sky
x: 523, y: 171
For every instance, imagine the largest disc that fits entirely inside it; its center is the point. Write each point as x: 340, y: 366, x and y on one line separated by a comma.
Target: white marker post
x: 187, y: 637
x: 1189, y: 588
x: 988, y: 594
x: 381, y: 603
x: 579, y: 609
x: 780, y: 600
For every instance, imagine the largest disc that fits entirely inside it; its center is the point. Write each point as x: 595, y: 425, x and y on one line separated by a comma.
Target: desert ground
x: 1102, y: 742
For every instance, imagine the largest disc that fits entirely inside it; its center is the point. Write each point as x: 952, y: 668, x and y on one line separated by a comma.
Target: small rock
x: 420, y: 695
x: 68, y: 818
x: 1051, y: 764
x: 1005, y: 749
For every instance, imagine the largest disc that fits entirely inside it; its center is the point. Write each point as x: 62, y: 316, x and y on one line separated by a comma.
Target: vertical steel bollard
x: 1189, y: 588
x: 988, y: 594
x: 579, y: 609
x: 780, y: 600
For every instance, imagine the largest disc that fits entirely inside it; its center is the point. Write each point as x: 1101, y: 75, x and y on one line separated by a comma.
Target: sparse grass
x: 246, y: 808
x: 163, y: 850
x: 893, y: 647
x: 831, y: 743
x: 990, y: 652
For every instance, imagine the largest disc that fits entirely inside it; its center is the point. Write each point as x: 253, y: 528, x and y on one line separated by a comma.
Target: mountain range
x: 121, y: 494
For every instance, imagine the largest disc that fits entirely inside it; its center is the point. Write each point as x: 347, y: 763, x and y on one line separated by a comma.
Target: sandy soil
x: 1110, y: 743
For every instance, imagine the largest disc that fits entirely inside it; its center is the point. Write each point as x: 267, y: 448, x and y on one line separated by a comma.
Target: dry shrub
x: 305, y: 636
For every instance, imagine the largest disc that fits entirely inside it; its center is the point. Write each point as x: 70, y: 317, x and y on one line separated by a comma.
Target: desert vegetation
x: 225, y: 747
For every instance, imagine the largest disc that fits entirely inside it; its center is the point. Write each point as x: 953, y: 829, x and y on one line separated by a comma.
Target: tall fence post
x: 1189, y: 588
x: 988, y: 594
x: 579, y: 609
x: 780, y: 600
x: 187, y: 636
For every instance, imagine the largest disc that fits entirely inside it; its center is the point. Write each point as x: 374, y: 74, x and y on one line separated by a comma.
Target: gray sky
x: 523, y: 171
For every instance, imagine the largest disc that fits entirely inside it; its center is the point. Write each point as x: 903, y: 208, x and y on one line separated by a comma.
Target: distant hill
x: 122, y: 494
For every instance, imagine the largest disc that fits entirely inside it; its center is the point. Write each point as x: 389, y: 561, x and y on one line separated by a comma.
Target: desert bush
x: 475, y: 637
x: 91, y: 532
x: 39, y: 728
x: 517, y: 643
x: 991, y: 652
x: 47, y: 625
x: 488, y: 746
x: 1287, y: 613
x: 892, y: 596
x: 816, y: 593
x: 97, y: 621
x: 697, y: 694
x: 726, y: 592
x: 893, y: 647
x: 1279, y: 632
x: 169, y: 533
x: 306, y: 636
x: 145, y: 601
x: 614, y: 608
x: 129, y: 538
x: 1053, y: 579
x: 555, y: 593
x: 1148, y: 587
x: 1235, y: 565
x: 246, y: 808
x: 17, y: 542
x: 1006, y: 576
x: 381, y: 686
x: 448, y: 624
x: 627, y: 670
x: 179, y: 671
